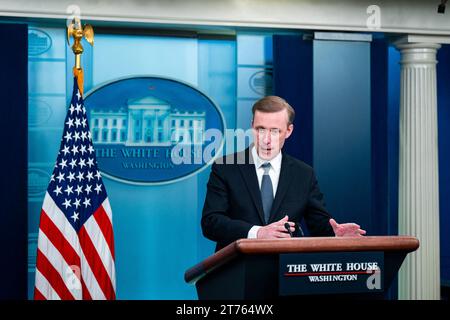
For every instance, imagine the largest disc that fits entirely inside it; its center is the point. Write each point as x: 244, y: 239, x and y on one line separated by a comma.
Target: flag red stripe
x: 53, y: 277
x: 96, y: 264
x: 38, y: 295
x: 85, y: 291
x: 59, y: 241
x: 105, y: 225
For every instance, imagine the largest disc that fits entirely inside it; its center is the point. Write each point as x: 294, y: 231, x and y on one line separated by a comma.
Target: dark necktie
x: 266, y: 191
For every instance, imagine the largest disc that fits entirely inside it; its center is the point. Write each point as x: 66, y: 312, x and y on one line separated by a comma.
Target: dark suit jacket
x: 233, y: 200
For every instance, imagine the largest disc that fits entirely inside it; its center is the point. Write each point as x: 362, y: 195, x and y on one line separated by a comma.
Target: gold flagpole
x: 77, y: 32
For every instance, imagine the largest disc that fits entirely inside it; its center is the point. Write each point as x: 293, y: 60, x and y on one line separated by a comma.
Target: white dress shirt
x: 274, y: 173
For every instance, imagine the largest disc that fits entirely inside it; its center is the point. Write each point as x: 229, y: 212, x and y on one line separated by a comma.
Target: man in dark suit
x: 255, y: 193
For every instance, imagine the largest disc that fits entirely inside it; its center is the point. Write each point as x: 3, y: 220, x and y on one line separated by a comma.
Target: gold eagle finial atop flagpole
x: 77, y: 31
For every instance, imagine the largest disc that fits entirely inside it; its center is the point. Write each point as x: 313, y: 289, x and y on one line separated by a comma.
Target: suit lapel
x: 251, y: 181
x: 283, y: 185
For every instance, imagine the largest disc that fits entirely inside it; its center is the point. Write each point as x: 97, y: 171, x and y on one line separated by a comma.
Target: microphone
x: 288, y: 228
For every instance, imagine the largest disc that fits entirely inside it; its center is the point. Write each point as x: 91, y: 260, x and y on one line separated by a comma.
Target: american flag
x: 75, y: 255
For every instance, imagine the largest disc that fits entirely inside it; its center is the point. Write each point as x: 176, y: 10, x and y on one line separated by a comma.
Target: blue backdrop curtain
x: 292, y: 80
x: 13, y: 161
x: 443, y: 89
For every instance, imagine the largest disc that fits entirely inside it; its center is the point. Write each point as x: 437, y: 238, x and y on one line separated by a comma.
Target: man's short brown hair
x: 274, y: 104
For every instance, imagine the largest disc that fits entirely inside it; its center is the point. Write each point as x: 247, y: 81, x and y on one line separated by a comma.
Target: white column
x: 142, y: 127
x: 419, y: 277
x: 155, y: 127
x: 130, y: 128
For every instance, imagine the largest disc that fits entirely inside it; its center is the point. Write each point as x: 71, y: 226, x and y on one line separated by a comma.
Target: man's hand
x: 346, y: 229
x: 275, y: 230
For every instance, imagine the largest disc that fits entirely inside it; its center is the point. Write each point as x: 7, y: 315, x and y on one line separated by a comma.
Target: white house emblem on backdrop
x: 138, y: 124
x: 147, y: 121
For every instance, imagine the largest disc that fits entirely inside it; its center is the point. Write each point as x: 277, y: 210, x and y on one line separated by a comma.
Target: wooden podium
x: 253, y: 268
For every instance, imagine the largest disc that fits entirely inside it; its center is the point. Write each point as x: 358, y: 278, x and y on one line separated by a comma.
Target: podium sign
x: 331, y: 273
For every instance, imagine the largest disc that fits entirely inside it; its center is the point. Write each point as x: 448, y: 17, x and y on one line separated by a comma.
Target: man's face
x: 269, y: 132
